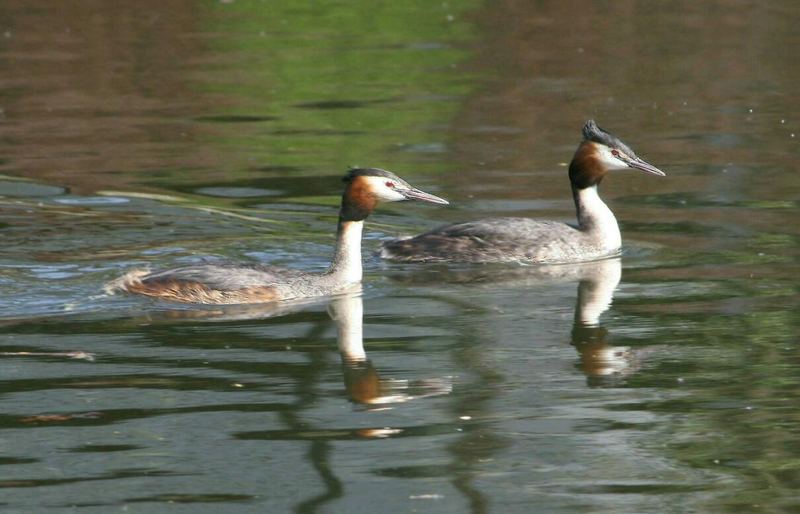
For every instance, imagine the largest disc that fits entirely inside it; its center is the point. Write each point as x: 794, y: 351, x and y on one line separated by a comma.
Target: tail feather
x: 126, y: 282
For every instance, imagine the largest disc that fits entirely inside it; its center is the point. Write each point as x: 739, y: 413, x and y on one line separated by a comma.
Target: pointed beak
x: 639, y: 164
x: 416, y: 194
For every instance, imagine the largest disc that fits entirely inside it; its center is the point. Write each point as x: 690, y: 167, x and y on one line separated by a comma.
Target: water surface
x: 157, y: 134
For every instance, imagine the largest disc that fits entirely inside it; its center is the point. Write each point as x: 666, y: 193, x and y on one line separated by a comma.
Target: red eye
x: 390, y: 184
x: 615, y: 153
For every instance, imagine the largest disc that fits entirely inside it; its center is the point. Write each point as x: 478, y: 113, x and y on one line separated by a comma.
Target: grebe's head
x: 366, y: 187
x: 601, y: 152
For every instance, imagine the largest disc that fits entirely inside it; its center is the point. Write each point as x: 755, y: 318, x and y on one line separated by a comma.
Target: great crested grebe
x: 533, y: 241
x: 237, y: 284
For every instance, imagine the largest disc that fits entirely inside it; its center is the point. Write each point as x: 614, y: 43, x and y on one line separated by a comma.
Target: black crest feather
x: 592, y: 132
x: 367, y: 172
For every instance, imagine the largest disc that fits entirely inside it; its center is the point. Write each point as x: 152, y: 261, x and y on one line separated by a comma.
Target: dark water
x: 155, y: 133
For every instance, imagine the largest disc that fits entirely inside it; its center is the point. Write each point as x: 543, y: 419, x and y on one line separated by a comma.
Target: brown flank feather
x: 189, y: 291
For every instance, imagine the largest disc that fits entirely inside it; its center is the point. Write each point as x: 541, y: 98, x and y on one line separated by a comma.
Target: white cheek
x: 608, y: 159
x: 384, y: 193
x: 387, y: 195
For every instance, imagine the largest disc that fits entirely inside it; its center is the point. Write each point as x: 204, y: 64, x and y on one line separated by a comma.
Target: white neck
x: 596, y: 219
x: 346, y: 265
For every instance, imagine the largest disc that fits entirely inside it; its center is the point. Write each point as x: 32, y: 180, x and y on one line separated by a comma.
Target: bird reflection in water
x: 363, y: 383
x: 601, y: 362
